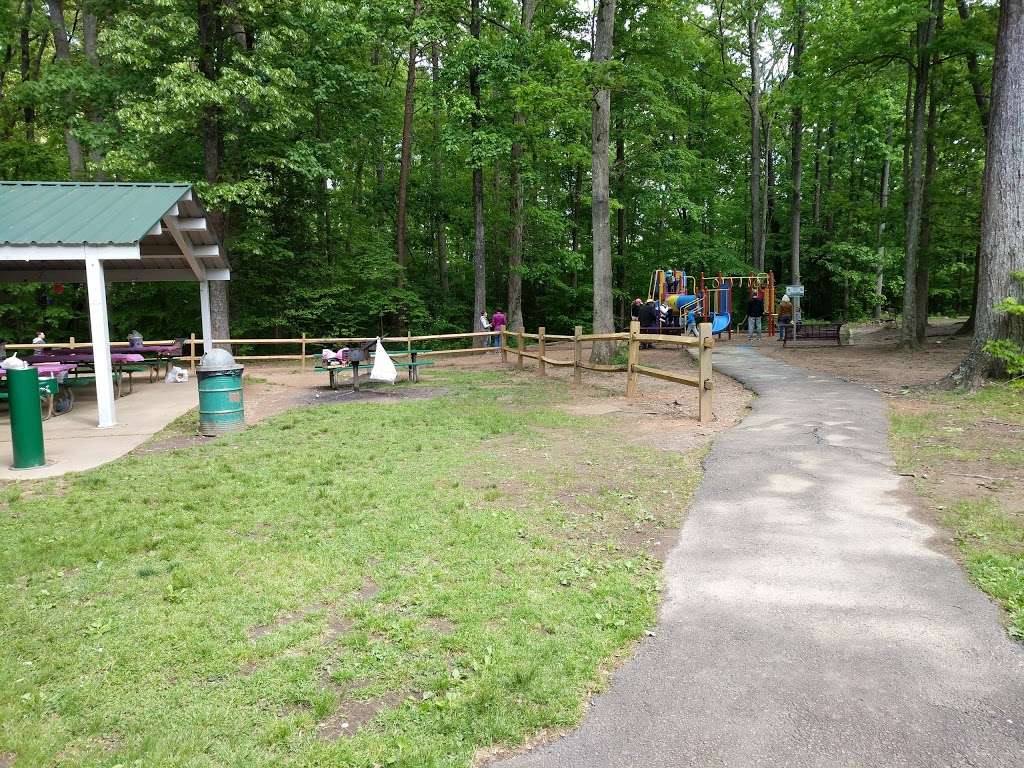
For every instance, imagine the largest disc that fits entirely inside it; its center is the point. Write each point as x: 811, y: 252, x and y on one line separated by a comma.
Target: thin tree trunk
x: 796, y: 171
x: 620, y: 216
x: 923, y: 38
x: 883, y: 205
x: 440, y: 235
x: 604, y: 320
x: 210, y: 34
x: 574, y: 240
x: 29, y: 111
x: 830, y: 182
x: 816, y: 204
x: 975, y: 76
x: 62, y: 51
x: 756, y: 218
x: 515, y: 240
x: 406, y: 157
x: 479, y: 235
x: 90, y: 35
x: 927, y: 214
x: 1002, y: 209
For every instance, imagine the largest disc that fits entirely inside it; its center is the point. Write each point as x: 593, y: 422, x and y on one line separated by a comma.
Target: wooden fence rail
x: 701, y: 380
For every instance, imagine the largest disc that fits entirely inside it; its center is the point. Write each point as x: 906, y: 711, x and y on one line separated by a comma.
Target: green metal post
x: 26, y: 418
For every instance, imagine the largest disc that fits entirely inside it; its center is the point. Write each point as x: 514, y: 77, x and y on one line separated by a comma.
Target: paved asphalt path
x: 806, y: 621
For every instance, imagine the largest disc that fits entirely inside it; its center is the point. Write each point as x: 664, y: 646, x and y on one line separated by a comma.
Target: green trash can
x: 221, y: 406
x: 26, y: 418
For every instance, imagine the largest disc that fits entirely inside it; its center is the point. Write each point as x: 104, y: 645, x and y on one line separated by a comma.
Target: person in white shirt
x: 40, y: 338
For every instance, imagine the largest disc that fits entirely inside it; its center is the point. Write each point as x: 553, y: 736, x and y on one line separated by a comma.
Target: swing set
x: 689, y: 297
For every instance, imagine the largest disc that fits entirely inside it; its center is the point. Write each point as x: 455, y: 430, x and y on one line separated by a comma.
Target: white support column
x: 204, y: 311
x: 100, y: 341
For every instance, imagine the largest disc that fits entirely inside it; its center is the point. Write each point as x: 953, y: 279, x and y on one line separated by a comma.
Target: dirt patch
x: 6, y: 759
x: 368, y: 591
x: 248, y: 668
x: 336, y: 627
x: 353, y: 715
x: 256, y: 633
x: 441, y: 626
x: 875, y: 358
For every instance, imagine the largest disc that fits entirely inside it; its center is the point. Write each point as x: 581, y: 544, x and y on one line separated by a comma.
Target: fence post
x: 408, y: 343
x: 72, y: 344
x: 631, y: 358
x: 540, y: 351
x: 519, y: 350
x: 503, y: 340
x: 704, y: 380
x: 577, y: 355
x: 192, y: 352
x: 303, y: 353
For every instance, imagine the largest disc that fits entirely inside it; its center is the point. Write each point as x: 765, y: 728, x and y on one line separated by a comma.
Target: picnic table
x: 124, y: 364
x: 412, y: 367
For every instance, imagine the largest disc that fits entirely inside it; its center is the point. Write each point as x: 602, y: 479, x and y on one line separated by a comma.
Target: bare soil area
x: 874, y: 357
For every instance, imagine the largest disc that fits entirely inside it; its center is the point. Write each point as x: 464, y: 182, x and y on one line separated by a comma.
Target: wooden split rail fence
x: 514, y: 343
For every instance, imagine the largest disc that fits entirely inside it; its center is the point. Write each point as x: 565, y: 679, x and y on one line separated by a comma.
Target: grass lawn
x: 366, y: 584
x: 966, y: 453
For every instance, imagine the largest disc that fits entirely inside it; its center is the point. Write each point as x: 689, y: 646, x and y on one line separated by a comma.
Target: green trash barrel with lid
x: 221, y: 408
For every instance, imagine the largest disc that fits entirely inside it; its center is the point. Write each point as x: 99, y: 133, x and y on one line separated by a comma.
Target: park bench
x: 816, y: 333
x: 79, y: 381
x: 48, y: 389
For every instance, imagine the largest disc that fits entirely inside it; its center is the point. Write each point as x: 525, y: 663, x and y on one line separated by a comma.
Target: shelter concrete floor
x: 74, y: 443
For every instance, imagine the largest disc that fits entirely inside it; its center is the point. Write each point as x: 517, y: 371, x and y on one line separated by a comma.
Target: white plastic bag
x: 383, y: 368
x: 176, y: 375
x: 15, y: 363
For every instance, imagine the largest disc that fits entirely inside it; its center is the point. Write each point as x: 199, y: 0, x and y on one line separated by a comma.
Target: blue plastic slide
x: 721, y: 323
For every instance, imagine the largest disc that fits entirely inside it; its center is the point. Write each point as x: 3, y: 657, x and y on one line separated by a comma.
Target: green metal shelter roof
x: 93, y: 213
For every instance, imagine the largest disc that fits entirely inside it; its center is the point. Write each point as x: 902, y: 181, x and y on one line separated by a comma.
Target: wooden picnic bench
x: 823, y: 332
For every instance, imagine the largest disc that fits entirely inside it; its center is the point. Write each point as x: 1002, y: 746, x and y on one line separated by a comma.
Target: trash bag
x: 383, y: 368
x: 176, y: 375
x: 15, y: 363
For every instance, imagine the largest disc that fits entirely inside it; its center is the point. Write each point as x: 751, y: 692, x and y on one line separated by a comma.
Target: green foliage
x: 308, y: 99
x: 1009, y: 352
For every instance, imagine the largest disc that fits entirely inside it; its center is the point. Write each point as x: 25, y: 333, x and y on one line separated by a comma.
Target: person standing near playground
x: 755, y: 313
x: 498, y: 321
x: 785, y: 315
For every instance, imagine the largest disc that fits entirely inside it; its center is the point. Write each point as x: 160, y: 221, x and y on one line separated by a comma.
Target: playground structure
x: 690, y: 298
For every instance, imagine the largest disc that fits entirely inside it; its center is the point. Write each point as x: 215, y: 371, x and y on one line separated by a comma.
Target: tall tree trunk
x: 29, y: 110
x: 479, y: 235
x: 515, y: 240
x: 883, y: 205
x: 975, y: 76
x: 90, y: 37
x: 440, y: 233
x: 62, y: 51
x: 816, y: 203
x: 604, y: 320
x: 210, y: 35
x: 830, y: 181
x: 796, y: 170
x: 754, y: 101
x: 406, y: 157
x: 574, y: 234
x: 768, y: 193
x: 981, y: 100
x: 923, y: 39
x: 924, y: 259
x: 620, y: 216
x: 1002, y: 208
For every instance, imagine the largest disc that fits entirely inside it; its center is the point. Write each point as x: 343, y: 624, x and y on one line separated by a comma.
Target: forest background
x: 399, y: 163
